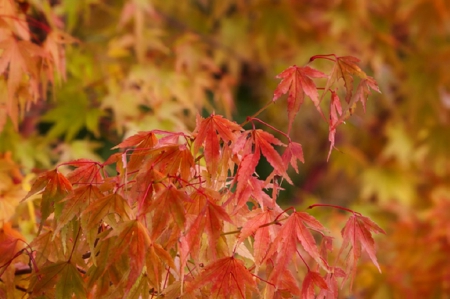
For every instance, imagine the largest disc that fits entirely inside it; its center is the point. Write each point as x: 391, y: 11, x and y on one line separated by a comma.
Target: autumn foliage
x: 136, y: 129
x: 179, y: 214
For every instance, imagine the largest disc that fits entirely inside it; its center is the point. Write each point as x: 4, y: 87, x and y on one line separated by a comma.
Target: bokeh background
x: 125, y: 66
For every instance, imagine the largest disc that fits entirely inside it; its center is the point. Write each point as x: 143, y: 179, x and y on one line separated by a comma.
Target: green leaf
x: 70, y: 283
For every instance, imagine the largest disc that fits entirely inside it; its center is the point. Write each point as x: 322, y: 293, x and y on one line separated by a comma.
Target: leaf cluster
x: 185, y: 214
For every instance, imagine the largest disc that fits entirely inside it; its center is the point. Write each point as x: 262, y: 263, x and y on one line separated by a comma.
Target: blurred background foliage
x: 131, y: 65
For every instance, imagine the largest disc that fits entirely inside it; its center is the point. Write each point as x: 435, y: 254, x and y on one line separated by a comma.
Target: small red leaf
x: 293, y: 152
x: 297, y: 80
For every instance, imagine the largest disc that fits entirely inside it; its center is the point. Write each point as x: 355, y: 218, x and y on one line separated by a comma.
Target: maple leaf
x: 297, y: 81
x: 62, y: 273
x: 172, y: 159
x: 244, y: 173
x: 345, y: 67
x: 263, y: 141
x: 288, y: 285
x: 357, y: 232
x: 312, y: 278
x: 143, y: 143
x: 140, y: 140
x: 54, y: 186
x: 254, y: 190
x: 87, y: 172
x: 210, y: 220
x: 293, y: 231
x: 169, y: 201
x: 208, y: 132
x: 20, y: 56
x: 293, y: 152
x: 11, y: 242
x: 263, y: 235
x: 229, y: 278
x: 70, y: 283
x: 335, y: 111
x: 113, y: 203
x: 331, y: 280
x: 363, y: 91
x: 54, y: 45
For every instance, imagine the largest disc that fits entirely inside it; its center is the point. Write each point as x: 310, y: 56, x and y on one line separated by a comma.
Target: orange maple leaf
x: 210, y: 220
x: 54, y: 186
x: 169, y: 201
x: 263, y: 142
x: 11, y: 242
x: 345, y: 67
x: 20, y: 56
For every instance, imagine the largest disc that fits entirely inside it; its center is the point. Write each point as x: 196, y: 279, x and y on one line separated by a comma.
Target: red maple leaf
x: 335, y: 111
x: 331, y: 278
x: 262, y: 143
x: 21, y: 57
x: 312, y: 279
x: 357, y: 232
x: 293, y: 152
x: 295, y: 231
x: 229, y: 277
x: 297, y: 81
x: 208, y: 132
x: 168, y: 202
x: 263, y: 235
x: 87, y: 172
x: 210, y: 220
x: 363, y: 90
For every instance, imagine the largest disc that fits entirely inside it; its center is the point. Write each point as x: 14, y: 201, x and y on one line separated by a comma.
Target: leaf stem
x: 332, y: 206
x: 325, y: 56
x: 272, y: 127
x: 249, y: 118
x: 74, y: 244
x: 304, y: 262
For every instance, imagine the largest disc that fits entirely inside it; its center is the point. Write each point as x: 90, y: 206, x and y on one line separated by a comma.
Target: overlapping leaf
x: 54, y: 186
x: 209, y: 219
x: 209, y: 132
x: 312, y: 279
x: 229, y: 278
x: 294, y: 231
